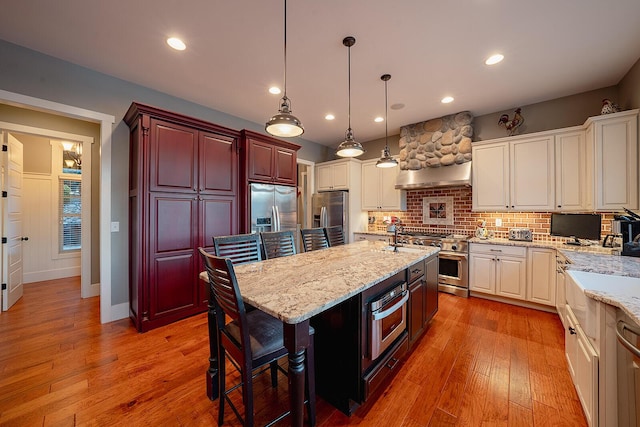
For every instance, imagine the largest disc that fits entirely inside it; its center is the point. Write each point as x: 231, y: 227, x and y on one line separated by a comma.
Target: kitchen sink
x: 585, y: 308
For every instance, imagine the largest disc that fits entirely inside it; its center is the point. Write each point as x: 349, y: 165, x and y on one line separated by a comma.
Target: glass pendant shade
x: 349, y: 147
x: 284, y: 124
x: 386, y: 161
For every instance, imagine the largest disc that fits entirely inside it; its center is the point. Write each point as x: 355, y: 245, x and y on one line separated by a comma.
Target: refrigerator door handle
x: 274, y: 219
x: 323, y: 217
x: 278, y: 225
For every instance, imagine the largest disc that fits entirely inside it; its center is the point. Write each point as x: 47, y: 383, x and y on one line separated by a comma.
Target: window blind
x: 69, y: 214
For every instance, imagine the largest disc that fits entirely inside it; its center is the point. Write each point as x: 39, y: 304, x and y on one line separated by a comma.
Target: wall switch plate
x: 115, y: 227
x: 498, y: 222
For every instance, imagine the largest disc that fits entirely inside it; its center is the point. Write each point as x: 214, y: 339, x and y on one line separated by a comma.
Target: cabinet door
x: 285, y: 166
x: 173, y: 285
x: 482, y: 273
x: 532, y: 173
x: 324, y: 176
x: 542, y: 276
x: 571, y: 343
x: 340, y: 174
x: 616, y: 150
x: 490, y: 176
x: 370, y: 187
x: 431, y: 288
x: 218, y: 164
x: 572, y: 185
x: 390, y: 198
x: 416, y: 309
x: 586, y: 380
x: 173, y: 151
x: 511, y: 278
x: 260, y: 164
x: 561, y: 296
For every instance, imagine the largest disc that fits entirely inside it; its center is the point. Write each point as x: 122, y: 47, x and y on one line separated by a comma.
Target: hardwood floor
x: 480, y: 363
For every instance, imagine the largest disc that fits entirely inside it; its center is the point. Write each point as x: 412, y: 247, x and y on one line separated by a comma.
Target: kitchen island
x: 296, y: 288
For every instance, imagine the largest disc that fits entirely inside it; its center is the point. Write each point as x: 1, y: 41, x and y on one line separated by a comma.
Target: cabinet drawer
x: 415, y: 271
x: 387, y: 367
x: 516, y: 251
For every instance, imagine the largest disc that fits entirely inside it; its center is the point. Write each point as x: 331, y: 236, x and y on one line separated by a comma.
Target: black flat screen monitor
x: 580, y: 226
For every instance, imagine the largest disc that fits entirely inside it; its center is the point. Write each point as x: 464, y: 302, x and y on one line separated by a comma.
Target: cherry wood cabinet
x: 269, y: 160
x: 183, y: 190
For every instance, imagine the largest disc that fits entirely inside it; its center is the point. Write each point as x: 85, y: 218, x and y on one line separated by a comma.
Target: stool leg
x: 222, y: 379
x: 274, y: 374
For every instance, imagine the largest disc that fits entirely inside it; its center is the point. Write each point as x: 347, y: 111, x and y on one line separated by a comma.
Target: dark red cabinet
x: 183, y: 190
x: 423, y: 296
x: 270, y: 160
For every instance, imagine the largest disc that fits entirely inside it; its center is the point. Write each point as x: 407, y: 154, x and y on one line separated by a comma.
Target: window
x: 70, y: 215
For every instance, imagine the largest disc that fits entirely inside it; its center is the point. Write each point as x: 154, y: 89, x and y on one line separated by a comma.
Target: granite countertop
x: 297, y: 287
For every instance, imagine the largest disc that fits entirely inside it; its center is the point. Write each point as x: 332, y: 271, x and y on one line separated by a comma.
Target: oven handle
x: 382, y: 314
x: 453, y: 256
x: 620, y: 327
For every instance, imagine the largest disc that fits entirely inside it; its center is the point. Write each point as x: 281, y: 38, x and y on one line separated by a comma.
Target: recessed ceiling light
x: 274, y: 90
x: 398, y: 106
x: 176, y: 43
x: 378, y: 119
x: 329, y: 117
x: 494, y: 59
x: 447, y: 99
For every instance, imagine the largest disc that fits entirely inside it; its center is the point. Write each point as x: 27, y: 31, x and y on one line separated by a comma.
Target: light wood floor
x: 480, y: 363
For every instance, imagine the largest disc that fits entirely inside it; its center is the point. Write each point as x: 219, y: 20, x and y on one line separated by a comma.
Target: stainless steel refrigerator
x: 331, y: 208
x: 272, y: 208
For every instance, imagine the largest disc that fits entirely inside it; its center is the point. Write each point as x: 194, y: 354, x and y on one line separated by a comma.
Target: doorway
x: 55, y: 203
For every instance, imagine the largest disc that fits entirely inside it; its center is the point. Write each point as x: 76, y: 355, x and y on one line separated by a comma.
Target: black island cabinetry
x: 348, y: 371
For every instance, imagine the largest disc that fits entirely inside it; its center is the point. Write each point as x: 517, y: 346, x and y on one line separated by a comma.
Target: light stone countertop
x: 297, y: 287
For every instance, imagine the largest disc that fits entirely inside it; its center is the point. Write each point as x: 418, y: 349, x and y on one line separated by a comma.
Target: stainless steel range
x: 453, y: 276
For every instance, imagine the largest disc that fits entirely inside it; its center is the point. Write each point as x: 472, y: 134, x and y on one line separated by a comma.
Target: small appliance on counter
x: 630, y: 231
x: 522, y: 234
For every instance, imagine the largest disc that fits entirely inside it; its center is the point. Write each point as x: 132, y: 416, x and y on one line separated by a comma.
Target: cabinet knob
x: 24, y: 238
x: 572, y: 331
x: 559, y: 206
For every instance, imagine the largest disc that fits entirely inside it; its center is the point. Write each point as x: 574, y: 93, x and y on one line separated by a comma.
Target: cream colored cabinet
x: 515, y: 174
x: 333, y: 175
x: 615, y: 141
x: 499, y: 270
x: 378, y: 188
x: 490, y: 177
x: 372, y: 237
x: 573, y: 178
x: 541, y: 287
x: 583, y: 367
x: 561, y: 293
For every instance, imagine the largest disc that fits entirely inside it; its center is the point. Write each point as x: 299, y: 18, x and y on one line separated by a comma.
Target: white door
x: 12, y: 253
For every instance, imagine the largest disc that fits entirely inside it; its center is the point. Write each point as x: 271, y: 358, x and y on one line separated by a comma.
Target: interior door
x: 12, y: 212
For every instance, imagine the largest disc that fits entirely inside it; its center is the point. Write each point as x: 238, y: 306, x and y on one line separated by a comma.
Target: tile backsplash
x: 465, y: 221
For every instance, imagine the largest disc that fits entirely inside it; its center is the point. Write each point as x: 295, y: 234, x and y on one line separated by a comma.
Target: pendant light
x: 349, y: 147
x: 386, y: 161
x: 284, y: 124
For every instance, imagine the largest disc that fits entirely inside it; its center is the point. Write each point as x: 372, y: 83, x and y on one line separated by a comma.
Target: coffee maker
x: 630, y: 231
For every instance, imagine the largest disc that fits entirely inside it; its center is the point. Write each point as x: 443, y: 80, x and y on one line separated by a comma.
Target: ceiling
x: 431, y: 49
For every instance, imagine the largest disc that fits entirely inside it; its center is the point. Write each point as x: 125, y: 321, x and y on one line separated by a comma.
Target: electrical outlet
x: 115, y: 227
x: 498, y: 222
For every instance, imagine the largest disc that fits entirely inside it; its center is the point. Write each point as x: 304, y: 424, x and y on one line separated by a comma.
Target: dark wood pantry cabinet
x: 183, y: 190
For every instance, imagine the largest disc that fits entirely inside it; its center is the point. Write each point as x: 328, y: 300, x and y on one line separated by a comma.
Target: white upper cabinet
x: 490, y: 177
x: 615, y: 141
x: 514, y: 175
x: 532, y: 174
x: 573, y: 177
x: 333, y: 175
x: 378, y: 188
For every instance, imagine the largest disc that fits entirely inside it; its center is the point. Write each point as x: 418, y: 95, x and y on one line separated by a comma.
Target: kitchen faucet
x: 395, y: 237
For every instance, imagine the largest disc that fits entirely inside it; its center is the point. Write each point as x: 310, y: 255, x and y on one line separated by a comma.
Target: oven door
x: 388, y: 318
x: 453, y: 269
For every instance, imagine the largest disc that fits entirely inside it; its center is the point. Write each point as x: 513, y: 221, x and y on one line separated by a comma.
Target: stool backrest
x: 278, y: 244
x: 335, y: 236
x: 314, y: 238
x: 240, y: 248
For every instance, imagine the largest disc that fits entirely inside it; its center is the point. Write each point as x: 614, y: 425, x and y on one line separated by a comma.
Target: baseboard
x: 60, y: 273
x: 520, y: 303
x: 119, y: 311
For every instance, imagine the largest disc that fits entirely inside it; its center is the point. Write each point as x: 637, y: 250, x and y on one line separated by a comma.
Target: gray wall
x: 629, y: 88
x: 31, y: 73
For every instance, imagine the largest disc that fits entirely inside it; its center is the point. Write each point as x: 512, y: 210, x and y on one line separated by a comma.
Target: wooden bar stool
x: 313, y: 239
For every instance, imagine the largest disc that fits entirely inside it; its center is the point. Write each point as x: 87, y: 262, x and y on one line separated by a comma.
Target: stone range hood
x: 445, y: 176
x: 436, y: 152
